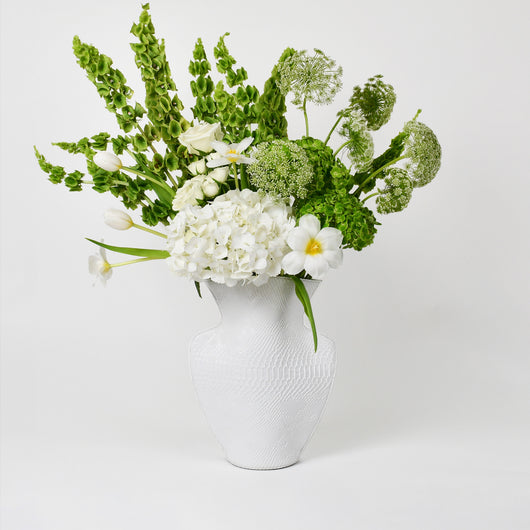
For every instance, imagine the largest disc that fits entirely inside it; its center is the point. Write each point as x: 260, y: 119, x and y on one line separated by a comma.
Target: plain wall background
x: 428, y: 423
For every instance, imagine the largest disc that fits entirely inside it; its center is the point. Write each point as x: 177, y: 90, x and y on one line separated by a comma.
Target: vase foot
x: 261, y: 468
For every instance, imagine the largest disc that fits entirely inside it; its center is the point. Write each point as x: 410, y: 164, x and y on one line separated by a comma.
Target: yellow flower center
x: 106, y: 266
x: 232, y: 155
x: 313, y: 247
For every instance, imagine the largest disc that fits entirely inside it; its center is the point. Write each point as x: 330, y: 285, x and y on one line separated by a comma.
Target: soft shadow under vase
x: 258, y: 379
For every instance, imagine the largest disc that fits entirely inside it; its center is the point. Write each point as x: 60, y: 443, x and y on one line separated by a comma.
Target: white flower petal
x: 316, y: 266
x: 298, y: 239
x: 220, y: 147
x: 293, y: 262
x: 245, y: 160
x: 330, y: 238
x: 217, y: 162
x: 333, y: 257
x: 243, y: 144
x: 310, y: 224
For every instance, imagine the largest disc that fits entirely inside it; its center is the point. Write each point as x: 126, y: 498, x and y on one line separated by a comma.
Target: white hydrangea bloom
x: 240, y: 236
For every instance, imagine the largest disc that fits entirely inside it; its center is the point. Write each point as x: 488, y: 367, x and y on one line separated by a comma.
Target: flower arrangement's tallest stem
x: 305, y: 117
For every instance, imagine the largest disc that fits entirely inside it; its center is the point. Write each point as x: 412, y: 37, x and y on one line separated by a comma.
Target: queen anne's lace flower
x: 241, y: 235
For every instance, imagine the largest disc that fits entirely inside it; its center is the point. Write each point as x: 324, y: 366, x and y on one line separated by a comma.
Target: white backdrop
x: 428, y: 423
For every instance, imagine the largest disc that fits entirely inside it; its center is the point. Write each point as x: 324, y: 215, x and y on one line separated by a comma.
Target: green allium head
x: 376, y: 101
x: 282, y: 168
x: 424, y: 153
x: 397, y: 192
x: 339, y: 209
x: 314, y: 78
x: 361, y: 146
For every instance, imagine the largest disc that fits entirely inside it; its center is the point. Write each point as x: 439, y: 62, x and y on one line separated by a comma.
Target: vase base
x: 261, y: 468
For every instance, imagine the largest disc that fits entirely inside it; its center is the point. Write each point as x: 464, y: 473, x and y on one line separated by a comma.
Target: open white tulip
x: 99, y: 266
x: 118, y: 219
x: 107, y: 161
x: 231, y: 153
x: 313, y: 250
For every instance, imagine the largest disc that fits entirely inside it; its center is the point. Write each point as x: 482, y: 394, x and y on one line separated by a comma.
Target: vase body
x: 258, y: 378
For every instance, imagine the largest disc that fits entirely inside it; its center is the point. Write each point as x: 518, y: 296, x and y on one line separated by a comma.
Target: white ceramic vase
x: 259, y: 381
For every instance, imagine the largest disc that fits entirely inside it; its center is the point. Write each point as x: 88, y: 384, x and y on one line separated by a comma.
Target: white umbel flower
x: 314, y: 250
x: 107, y: 161
x: 117, y: 219
x: 99, y: 266
x: 239, y: 236
x: 231, y: 153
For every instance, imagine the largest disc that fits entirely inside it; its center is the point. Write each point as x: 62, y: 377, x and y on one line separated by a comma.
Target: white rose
x: 189, y: 193
x: 200, y: 137
x: 210, y: 187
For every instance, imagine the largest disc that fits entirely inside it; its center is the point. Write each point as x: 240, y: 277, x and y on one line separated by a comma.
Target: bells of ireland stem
x: 107, y: 161
x: 118, y: 219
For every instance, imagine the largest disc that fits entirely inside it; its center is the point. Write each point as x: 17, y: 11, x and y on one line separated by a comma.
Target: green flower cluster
x: 314, y: 78
x: 424, y: 153
x: 281, y: 168
x: 339, y: 209
x: 329, y: 172
x: 375, y: 100
x: 395, y: 196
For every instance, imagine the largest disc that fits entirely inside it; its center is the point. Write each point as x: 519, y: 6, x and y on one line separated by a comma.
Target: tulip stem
x: 139, y: 260
x: 151, y: 179
x: 235, y: 175
x: 150, y: 230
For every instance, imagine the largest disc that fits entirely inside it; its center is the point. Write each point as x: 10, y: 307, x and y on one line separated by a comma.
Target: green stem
x: 151, y: 179
x: 235, y: 175
x: 139, y: 260
x: 151, y: 203
x: 87, y: 182
x: 342, y: 147
x: 305, y: 117
x: 369, y: 197
x: 150, y: 230
x: 375, y: 173
x: 332, y: 129
x: 166, y: 173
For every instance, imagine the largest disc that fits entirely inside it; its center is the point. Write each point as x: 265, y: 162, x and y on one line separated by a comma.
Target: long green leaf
x: 198, y: 288
x: 302, y: 295
x: 143, y: 252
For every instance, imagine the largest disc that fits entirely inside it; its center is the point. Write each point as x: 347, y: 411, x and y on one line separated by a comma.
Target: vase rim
x: 240, y: 284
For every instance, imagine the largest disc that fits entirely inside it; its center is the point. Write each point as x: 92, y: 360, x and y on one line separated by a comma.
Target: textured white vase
x: 259, y: 381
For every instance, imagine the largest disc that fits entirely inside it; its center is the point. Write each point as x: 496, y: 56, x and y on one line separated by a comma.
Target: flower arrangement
x: 241, y: 201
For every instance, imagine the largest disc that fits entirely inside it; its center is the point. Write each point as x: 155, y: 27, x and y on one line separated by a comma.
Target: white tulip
x: 118, y: 219
x: 98, y: 265
x: 107, y: 161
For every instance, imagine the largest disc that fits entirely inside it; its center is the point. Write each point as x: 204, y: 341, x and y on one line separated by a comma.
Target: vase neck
x: 269, y: 303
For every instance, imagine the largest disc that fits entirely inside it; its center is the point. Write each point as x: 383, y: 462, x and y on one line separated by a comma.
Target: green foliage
x: 424, y: 153
x: 329, y: 172
x: 314, y: 78
x: 396, y: 194
x: 163, y: 107
x: 143, y: 252
x: 339, y: 209
x: 109, y: 82
x: 395, y: 150
x: 303, y: 296
x: 271, y: 107
x: 375, y: 100
x: 360, y: 142
x: 281, y: 168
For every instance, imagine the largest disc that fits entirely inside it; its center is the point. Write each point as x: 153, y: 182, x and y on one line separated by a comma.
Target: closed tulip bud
x: 220, y: 174
x: 107, y: 161
x: 198, y: 167
x: 118, y: 219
